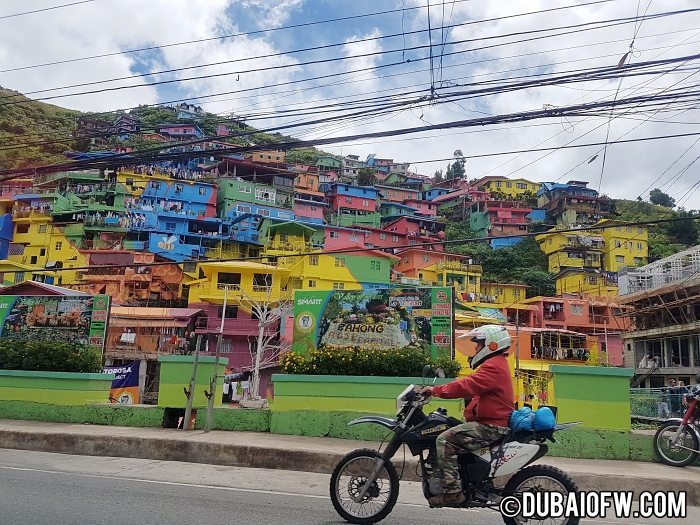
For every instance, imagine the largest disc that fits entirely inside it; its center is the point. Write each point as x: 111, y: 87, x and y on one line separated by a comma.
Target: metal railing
x: 656, y: 403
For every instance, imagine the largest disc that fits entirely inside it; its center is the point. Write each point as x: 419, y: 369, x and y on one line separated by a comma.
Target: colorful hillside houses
x: 180, y: 238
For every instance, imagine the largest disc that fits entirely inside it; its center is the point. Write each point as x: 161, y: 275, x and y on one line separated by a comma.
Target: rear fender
x: 386, y: 422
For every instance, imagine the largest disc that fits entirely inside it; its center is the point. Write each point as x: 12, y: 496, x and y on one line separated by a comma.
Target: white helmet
x: 496, y: 341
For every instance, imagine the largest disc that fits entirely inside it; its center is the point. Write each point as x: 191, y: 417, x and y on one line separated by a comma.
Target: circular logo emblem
x: 441, y: 295
x: 305, y: 322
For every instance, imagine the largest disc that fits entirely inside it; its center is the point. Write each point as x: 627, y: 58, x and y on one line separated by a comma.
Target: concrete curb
x: 250, y: 455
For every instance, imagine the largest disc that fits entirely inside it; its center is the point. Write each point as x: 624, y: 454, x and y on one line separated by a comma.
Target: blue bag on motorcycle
x: 526, y: 419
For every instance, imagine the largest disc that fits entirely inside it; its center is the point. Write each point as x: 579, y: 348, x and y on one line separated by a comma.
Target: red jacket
x: 490, y: 388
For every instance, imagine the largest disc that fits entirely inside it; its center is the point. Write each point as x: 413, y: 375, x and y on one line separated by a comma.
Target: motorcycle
x: 364, y: 485
x: 677, y: 441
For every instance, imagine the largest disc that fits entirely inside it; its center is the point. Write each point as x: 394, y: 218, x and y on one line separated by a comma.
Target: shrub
x: 354, y: 361
x: 49, y: 356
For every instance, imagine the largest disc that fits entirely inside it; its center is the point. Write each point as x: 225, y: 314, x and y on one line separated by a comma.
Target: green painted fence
x: 56, y: 388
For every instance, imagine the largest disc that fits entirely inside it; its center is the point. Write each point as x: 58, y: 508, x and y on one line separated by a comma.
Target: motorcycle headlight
x: 401, y: 398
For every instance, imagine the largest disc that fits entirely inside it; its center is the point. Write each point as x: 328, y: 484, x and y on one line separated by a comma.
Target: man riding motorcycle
x: 488, y: 393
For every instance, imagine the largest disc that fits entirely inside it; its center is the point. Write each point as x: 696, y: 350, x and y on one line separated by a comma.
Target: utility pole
x: 193, y: 381
x: 212, y: 385
x: 605, y: 327
x: 517, y: 353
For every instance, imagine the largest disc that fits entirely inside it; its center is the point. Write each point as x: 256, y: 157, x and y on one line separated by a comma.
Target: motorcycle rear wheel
x: 668, y: 452
x: 348, y: 478
x: 523, y: 481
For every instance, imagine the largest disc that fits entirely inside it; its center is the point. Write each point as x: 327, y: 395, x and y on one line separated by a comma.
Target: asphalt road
x: 37, y: 487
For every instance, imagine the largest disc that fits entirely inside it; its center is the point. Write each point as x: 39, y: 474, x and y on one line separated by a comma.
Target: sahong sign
x: 66, y: 319
x: 378, y: 318
x: 125, y: 387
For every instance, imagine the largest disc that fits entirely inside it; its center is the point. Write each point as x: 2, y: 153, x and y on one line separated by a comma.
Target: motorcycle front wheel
x: 348, y: 479
x: 540, y: 478
x: 672, y: 451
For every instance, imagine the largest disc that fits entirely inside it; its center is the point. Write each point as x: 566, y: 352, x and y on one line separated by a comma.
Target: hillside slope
x: 33, y: 133
x: 33, y: 123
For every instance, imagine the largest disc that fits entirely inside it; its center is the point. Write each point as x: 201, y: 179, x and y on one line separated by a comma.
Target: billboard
x: 379, y: 318
x: 125, y: 387
x: 66, y: 319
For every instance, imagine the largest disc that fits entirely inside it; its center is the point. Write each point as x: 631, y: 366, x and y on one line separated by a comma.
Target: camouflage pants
x: 467, y: 437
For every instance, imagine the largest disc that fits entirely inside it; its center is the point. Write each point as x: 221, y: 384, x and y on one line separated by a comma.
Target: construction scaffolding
x: 682, y: 266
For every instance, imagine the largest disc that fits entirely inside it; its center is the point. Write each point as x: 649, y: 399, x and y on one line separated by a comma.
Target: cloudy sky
x: 393, y: 66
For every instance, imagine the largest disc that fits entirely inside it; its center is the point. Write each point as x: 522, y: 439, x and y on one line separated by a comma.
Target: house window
x: 516, y: 293
x: 244, y: 188
x: 339, y: 262
x: 334, y: 235
x: 230, y: 313
x: 312, y: 284
x: 170, y: 226
x: 498, y: 183
x: 365, y: 202
x: 619, y: 259
x: 178, y: 188
x: 521, y: 185
x: 395, y: 238
x: 354, y: 237
x: 591, y: 279
x: 23, y: 228
x: 313, y: 260
x: 576, y: 309
x: 638, y: 261
x: 243, y: 209
x: 58, y: 246
x: 509, y: 184
x: 42, y: 228
x: 382, y: 236
x: 375, y: 265
x: 42, y: 252
x: 262, y: 282
x: 264, y: 195
x: 230, y: 279
x: 618, y: 244
x: 348, y: 200
x: 426, y: 258
x: 264, y: 212
x: 339, y: 286
x: 202, y: 191
x: 639, y: 245
x: 32, y: 259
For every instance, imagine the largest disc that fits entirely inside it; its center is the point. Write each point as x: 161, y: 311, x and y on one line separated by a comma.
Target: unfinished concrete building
x: 664, y: 297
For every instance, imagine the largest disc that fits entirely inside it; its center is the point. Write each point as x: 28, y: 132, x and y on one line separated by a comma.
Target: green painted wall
x: 175, y: 375
x: 479, y: 222
x: 57, y: 388
x: 370, y: 395
x: 109, y: 414
x: 598, y: 397
x: 361, y: 268
x: 372, y: 219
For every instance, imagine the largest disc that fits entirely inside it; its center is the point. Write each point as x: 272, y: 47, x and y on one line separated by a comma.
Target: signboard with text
x: 379, y: 318
x: 66, y: 319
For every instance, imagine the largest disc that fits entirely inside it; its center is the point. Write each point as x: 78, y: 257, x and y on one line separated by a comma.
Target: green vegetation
x: 354, y: 361
x: 523, y: 263
x: 34, y: 123
x: 48, y: 356
x: 664, y: 239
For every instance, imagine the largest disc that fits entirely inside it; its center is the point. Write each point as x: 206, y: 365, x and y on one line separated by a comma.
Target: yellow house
x: 44, y: 246
x: 241, y: 282
x: 585, y: 281
x: 509, y: 187
x: 572, y: 250
x: 625, y: 245
x: 505, y: 294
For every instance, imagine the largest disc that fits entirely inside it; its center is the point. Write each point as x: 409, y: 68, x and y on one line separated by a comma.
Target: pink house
x: 337, y: 237
x: 425, y: 208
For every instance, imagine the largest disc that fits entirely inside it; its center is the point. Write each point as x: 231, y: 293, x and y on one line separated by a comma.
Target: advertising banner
x: 380, y: 318
x: 66, y: 319
x: 125, y: 387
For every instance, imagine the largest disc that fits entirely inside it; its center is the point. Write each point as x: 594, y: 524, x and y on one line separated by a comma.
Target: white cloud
x: 274, y: 12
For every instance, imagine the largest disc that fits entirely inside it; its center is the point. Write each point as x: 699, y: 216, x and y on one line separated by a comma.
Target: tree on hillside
x: 366, y: 177
x: 457, y: 170
x: 438, y: 177
x: 656, y: 196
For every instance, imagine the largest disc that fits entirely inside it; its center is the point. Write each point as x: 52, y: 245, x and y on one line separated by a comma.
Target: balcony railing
x: 229, y: 287
x: 459, y: 266
x: 26, y: 213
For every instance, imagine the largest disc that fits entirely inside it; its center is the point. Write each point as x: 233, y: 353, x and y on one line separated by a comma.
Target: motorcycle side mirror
x: 428, y: 372
x: 440, y: 373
